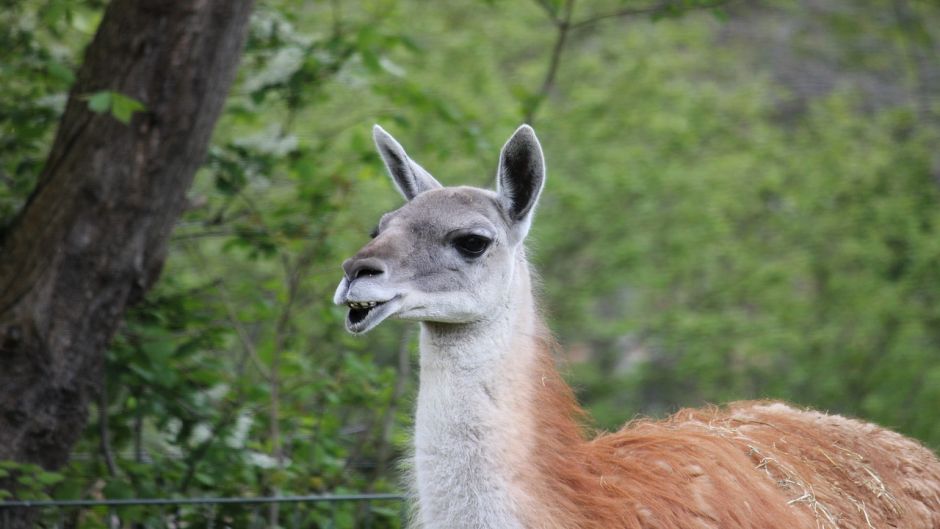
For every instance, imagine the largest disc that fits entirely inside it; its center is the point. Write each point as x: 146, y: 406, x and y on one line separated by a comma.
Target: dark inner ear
x: 400, y: 171
x: 521, y: 175
x: 410, y: 178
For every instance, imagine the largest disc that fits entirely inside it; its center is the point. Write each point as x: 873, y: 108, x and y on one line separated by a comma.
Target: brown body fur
x: 748, y: 465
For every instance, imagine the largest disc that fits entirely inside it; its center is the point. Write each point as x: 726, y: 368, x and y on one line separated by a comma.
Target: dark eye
x: 471, y: 245
x: 374, y: 233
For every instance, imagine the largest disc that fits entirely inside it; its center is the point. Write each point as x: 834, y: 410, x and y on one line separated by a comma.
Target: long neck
x: 490, y: 401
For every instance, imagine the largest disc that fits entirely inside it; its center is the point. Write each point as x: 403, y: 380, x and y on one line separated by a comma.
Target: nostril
x: 364, y: 267
x: 367, y: 272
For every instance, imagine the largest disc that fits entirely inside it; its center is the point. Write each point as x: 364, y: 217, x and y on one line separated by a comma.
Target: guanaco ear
x: 521, y: 176
x: 410, y: 178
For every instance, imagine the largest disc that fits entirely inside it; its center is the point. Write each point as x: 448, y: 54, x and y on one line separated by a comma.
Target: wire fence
x: 337, y: 511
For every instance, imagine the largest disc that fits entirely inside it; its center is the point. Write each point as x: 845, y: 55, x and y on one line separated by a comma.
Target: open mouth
x: 364, y: 315
x: 359, y: 310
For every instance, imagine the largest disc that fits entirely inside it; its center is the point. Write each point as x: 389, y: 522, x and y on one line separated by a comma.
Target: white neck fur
x: 474, y: 417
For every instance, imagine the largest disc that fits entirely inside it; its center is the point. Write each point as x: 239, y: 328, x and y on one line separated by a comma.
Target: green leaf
x: 123, y: 107
x: 99, y: 102
x: 49, y: 478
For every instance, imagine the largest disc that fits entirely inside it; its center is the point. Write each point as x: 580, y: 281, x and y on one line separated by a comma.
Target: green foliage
x: 26, y: 481
x: 118, y: 105
x: 36, y: 69
x: 707, y: 233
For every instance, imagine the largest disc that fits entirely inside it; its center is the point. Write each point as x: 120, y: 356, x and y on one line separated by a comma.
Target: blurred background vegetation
x: 742, y: 202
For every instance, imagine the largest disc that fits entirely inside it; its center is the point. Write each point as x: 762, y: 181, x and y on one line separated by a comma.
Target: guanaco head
x: 449, y: 254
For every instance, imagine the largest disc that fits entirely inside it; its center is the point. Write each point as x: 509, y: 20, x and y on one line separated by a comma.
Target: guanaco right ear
x: 521, y: 176
x: 410, y: 178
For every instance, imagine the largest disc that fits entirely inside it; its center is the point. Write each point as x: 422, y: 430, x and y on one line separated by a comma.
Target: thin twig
x: 564, y: 25
x: 104, y: 433
x: 176, y: 238
x: 648, y: 10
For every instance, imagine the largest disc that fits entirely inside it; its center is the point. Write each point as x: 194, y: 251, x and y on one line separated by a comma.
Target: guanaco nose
x: 355, y: 268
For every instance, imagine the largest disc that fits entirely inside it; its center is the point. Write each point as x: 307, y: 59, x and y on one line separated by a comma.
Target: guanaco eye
x: 471, y: 245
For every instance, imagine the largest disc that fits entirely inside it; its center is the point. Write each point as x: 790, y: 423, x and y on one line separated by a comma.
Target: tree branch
x: 103, y: 433
x: 564, y: 25
x: 649, y: 10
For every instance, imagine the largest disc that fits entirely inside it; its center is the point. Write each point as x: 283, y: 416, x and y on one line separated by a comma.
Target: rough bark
x: 93, y: 235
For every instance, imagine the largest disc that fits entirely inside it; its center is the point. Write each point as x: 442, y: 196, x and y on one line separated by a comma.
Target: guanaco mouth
x: 358, y: 311
x: 365, y: 315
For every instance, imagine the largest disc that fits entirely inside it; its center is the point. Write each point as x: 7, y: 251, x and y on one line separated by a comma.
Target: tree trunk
x: 92, y: 238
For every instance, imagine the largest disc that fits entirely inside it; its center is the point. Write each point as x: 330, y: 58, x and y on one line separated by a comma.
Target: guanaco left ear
x: 410, y: 178
x: 521, y: 176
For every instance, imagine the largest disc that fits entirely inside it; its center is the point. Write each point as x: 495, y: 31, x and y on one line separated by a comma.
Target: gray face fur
x: 448, y: 255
